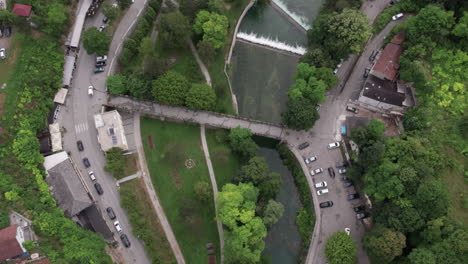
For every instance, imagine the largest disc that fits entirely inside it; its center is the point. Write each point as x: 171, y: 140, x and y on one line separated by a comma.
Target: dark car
x: 303, y: 145
x: 359, y: 208
x: 125, y: 240
x: 110, y: 213
x: 326, y: 204
x: 98, y: 69
x: 348, y: 183
x: 341, y: 164
x: 8, y: 31
x: 352, y: 196
x: 366, y: 72
x: 100, y: 63
x: 362, y: 215
x: 99, y: 189
x: 352, y: 109
x: 105, y: 20
x: 80, y: 145
x: 86, y: 163
x: 344, y: 178
x: 331, y: 172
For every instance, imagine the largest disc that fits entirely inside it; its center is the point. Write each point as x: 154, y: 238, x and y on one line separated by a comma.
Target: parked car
x: 397, y: 16
x: 352, y: 196
x: 331, y: 172
x: 362, y: 215
x: 110, y: 213
x: 341, y: 164
x: 2, y: 53
x: 303, y: 145
x: 98, y: 188
x: 333, y: 145
x: 1, y: 32
x: 352, y: 109
x: 326, y: 204
x: 342, y: 171
x: 92, y: 176
x: 317, y: 107
x: 344, y: 178
x: 359, y: 208
x: 86, y: 163
x: 98, y: 69
x: 372, y: 56
x: 347, y: 230
x: 101, y: 28
x: 100, y: 63
x: 366, y: 72
x: 348, y: 183
x: 8, y: 31
x: 80, y: 146
x: 105, y: 20
x: 310, y: 160
x: 321, y: 192
x: 101, y: 58
x: 117, y: 226
x: 316, y: 171
x: 335, y: 71
x: 321, y: 184
x: 90, y: 90
x: 125, y: 240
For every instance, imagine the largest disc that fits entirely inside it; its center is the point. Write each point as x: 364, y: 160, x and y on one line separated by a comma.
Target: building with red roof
x: 386, y: 67
x: 22, y: 10
x: 11, y: 242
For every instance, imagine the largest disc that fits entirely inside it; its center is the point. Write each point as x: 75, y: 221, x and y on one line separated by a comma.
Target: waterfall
x: 296, y: 17
x: 272, y: 43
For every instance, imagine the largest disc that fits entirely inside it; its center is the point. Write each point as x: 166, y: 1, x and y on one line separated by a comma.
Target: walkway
x: 180, y: 113
x: 202, y: 66
x: 215, y: 189
x: 152, y: 193
x: 129, y: 178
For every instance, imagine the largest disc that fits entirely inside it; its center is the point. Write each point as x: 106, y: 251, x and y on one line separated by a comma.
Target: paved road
x: 77, y: 118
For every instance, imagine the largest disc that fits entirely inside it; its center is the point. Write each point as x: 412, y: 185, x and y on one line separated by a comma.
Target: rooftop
x: 387, y: 65
x: 110, y: 130
x: 383, y: 91
x: 9, y: 246
x: 22, y: 10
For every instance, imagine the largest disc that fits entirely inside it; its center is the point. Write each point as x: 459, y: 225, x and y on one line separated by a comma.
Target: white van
x: 90, y: 90
x: 91, y: 175
x: 117, y: 226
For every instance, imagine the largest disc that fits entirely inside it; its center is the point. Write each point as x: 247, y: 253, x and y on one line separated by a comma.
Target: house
x: 110, y: 130
x: 11, y: 243
x: 22, y: 10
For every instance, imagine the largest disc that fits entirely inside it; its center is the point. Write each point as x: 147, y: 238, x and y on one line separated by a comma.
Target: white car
x: 334, y: 145
x: 316, y: 171
x: 323, y: 191
x: 347, y: 230
x: 321, y: 184
x: 101, y: 28
x: 92, y: 176
x: 310, y: 160
x: 342, y: 171
x: 90, y: 90
x: 397, y: 16
x: 2, y: 53
x: 101, y: 58
x: 117, y: 226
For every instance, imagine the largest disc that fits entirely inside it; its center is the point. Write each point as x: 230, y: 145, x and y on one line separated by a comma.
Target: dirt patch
x: 176, y: 179
x: 173, y: 59
x: 2, y: 103
x: 115, y: 255
x: 150, y: 142
x: 226, y: 6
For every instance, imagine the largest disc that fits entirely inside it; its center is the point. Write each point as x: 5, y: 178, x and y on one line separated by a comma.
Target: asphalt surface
x: 77, y: 119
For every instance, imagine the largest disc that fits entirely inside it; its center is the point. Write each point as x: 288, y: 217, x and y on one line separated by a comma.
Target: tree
x: 201, y: 96
x: 203, y: 191
x: 273, y: 212
x: 421, y: 256
x: 432, y: 198
x: 29, y: 245
x: 382, y: 182
x: 4, y: 219
x: 340, y: 248
x: 138, y: 86
x: 245, y: 243
x: 56, y: 19
x: 95, y: 41
x: 115, y: 163
x: 431, y: 21
x: 212, y: 26
x: 206, y: 51
x: 383, y: 244
x: 154, y: 67
x: 171, y: 88
x: 327, y: 76
x: 242, y: 142
x: 110, y: 11
x: 271, y: 186
x: 6, y: 17
x: 117, y: 84
x: 146, y: 47
x: 124, y: 3
x: 175, y: 29
x: 236, y: 204
x: 300, y: 114
x: 461, y: 28
x: 255, y: 171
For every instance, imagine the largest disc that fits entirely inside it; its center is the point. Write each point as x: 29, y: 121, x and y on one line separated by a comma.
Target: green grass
x: 192, y: 221
x: 131, y: 167
x: 225, y: 162
x: 145, y: 223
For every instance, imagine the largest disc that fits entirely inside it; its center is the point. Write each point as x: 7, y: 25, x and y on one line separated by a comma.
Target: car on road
x: 86, y: 163
x: 359, y: 208
x: 303, y: 145
x: 348, y: 183
x: 342, y: 171
x: 8, y: 31
x: 362, y: 215
x: 321, y: 192
x: 333, y: 145
x: 80, y: 146
x: 321, y: 185
x: 310, y: 160
x: 341, y: 164
x: 316, y: 171
x: 397, y: 16
x: 125, y: 240
x: 98, y: 69
x: 2, y: 53
x: 373, y: 55
x: 117, y: 226
x: 100, y: 63
x: 98, y: 188
x: 366, y: 72
x: 110, y: 213
x: 352, y: 109
x: 326, y: 204
x: 352, y: 196
x: 347, y: 230
x: 331, y: 172
x: 90, y: 90
x: 101, y: 58
x: 92, y: 176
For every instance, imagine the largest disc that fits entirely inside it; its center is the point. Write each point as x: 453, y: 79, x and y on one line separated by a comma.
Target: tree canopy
x: 340, y: 248
x: 201, y: 96
x: 242, y: 142
x: 175, y: 29
x: 273, y: 212
x: 383, y: 244
x: 95, y: 42
x: 171, y: 88
x: 213, y: 27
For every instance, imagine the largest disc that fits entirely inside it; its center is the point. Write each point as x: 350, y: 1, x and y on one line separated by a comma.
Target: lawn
x: 225, y: 162
x: 145, y: 223
x: 176, y: 163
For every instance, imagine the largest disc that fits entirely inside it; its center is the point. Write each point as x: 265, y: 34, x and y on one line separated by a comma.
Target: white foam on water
x: 296, y: 17
x: 272, y: 43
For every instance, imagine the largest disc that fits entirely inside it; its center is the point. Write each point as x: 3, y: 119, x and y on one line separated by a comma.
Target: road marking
x: 79, y: 128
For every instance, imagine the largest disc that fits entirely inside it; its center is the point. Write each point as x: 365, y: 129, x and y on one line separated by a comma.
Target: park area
x: 176, y: 163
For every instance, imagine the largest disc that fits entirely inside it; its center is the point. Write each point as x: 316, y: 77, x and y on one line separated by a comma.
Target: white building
x: 110, y: 130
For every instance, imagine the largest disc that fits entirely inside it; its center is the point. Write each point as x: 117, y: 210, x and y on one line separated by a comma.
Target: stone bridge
x: 179, y: 113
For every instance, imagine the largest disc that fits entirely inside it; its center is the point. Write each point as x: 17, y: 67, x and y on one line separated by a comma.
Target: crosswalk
x: 80, y: 128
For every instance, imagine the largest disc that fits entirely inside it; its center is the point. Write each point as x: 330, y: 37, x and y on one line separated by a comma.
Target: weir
x: 271, y: 43
x: 295, y: 18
